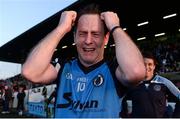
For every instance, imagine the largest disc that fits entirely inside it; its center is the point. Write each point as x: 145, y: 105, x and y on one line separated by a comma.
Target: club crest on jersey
x: 98, y: 80
x: 157, y: 87
x: 68, y: 76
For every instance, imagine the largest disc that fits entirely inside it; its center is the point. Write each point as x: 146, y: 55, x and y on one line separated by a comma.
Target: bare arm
x: 131, y: 67
x: 37, y: 67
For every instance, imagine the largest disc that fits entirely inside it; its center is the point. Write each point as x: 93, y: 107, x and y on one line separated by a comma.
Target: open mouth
x: 89, y: 49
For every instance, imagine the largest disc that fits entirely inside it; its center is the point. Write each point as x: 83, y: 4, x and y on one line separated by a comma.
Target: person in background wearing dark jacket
x: 149, y: 98
x: 20, y: 96
x: 7, y: 96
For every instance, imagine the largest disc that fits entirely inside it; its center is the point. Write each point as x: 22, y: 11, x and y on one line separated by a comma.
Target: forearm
x: 39, y: 59
x: 37, y: 67
x: 130, y: 60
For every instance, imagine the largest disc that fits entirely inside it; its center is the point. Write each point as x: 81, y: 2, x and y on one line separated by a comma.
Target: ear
x: 106, y: 38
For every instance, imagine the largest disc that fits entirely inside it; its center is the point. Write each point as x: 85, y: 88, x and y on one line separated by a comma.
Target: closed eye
x: 82, y: 33
x: 95, y: 34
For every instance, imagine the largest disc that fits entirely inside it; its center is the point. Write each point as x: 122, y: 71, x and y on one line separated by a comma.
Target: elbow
x: 136, y: 75
x: 27, y: 74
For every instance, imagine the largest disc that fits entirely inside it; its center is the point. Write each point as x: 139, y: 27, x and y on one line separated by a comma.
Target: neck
x: 88, y: 64
x: 90, y: 68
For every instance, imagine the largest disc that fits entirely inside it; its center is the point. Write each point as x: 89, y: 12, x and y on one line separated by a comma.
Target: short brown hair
x: 150, y: 55
x: 89, y: 9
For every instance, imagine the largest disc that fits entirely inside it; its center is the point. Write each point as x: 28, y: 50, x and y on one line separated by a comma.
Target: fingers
x: 111, y: 19
x: 67, y: 19
x: 102, y: 16
x: 73, y: 15
x: 108, y: 13
x: 69, y: 15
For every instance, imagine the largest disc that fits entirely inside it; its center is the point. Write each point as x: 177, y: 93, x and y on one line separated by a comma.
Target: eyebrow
x: 82, y: 31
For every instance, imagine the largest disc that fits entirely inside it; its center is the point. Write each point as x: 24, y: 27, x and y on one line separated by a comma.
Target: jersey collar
x: 90, y: 68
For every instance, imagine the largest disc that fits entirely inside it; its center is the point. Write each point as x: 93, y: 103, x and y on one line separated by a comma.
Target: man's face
x: 90, y: 39
x: 6, y: 87
x: 20, y: 89
x: 150, y: 67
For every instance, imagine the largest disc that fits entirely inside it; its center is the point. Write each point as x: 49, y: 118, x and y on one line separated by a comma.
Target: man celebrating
x: 88, y: 86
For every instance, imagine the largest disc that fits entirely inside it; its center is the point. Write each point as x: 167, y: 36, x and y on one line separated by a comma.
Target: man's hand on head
x: 67, y: 20
x: 111, y: 19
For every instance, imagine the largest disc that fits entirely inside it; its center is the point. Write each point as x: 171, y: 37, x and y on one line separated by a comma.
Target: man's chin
x: 88, y: 62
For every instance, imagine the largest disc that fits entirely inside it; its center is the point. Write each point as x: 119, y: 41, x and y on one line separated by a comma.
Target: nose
x: 88, y: 39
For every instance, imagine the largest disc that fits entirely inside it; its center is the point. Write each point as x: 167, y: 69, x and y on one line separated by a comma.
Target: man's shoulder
x: 161, y: 79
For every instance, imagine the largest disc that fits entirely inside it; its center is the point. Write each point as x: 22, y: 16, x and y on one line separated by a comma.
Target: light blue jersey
x: 87, y: 95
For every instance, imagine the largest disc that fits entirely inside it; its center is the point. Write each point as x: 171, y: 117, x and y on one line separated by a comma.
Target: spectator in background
x: 15, y: 100
x: 20, y: 96
x: 7, y: 97
x: 149, y: 98
x: 50, y: 100
x: 44, y: 92
x: 52, y: 96
x: 1, y: 92
x: 1, y: 95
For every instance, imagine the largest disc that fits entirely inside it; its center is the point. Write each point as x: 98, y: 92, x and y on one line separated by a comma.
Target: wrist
x: 61, y: 29
x: 113, y: 29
